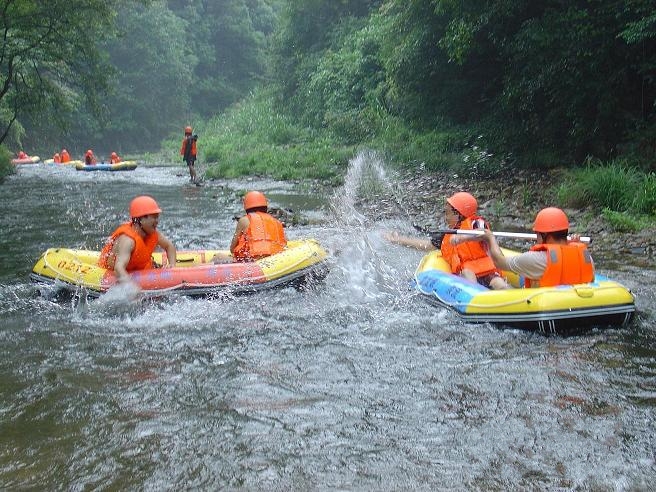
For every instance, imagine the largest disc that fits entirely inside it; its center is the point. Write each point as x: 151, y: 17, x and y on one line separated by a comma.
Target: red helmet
x: 143, y: 205
x: 464, y: 203
x: 550, y: 219
x: 254, y: 199
x: 188, y: 130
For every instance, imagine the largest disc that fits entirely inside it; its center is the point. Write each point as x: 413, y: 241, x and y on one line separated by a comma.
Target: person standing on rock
x: 188, y: 153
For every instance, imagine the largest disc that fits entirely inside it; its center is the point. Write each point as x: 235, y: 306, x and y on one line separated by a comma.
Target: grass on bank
x: 625, y: 194
x: 252, y: 138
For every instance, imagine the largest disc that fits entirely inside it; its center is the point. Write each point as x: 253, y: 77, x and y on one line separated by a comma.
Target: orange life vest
x: 65, y: 157
x: 567, y: 264
x: 183, y: 149
x: 141, y: 254
x: 470, y: 254
x: 56, y: 159
x: 265, y: 236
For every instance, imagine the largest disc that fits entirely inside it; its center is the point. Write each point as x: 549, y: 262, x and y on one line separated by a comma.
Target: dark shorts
x: 486, y: 279
x: 191, y: 162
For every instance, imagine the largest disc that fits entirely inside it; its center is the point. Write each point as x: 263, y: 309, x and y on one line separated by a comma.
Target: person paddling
x: 258, y: 234
x: 554, y: 260
x: 465, y: 254
x: 131, y: 245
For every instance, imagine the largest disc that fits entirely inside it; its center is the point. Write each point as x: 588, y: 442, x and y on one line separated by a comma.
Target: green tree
x: 50, y: 57
x: 150, y: 93
x: 228, y: 41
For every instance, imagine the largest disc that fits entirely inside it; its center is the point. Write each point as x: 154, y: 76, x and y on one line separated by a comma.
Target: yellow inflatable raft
x: 120, y: 166
x: 194, y: 274
x: 69, y: 163
x: 562, y: 309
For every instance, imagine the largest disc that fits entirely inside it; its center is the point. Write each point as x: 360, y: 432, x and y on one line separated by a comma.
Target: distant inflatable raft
x: 121, y: 166
x: 68, y: 163
x: 70, y: 270
x: 27, y: 160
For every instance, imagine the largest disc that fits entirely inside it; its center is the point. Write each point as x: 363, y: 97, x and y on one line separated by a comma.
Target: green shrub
x: 6, y: 167
x: 644, y: 200
x: 623, y: 221
x: 609, y: 185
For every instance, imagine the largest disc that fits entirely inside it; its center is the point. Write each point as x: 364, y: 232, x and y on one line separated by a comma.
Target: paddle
x: 517, y: 235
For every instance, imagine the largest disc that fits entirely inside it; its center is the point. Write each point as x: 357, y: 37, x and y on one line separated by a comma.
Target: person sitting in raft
x: 22, y: 155
x: 465, y: 254
x: 257, y: 234
x: 131, y: 245
x: 114, y: 158
x: 65, y: 156
x: 56, y: 158
x: 554, y: 260
x: 89, y: 158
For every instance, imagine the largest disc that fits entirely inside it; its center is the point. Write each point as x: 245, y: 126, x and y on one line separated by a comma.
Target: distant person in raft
x: 188, y: 153
x: 131, y: 245
x: 467, y: 255
x: 257, y: 235
x: 56, y: 158
x: 65, y: 156
x: 554, y: 260
x: 22, y: 155
x: 89, y: 158
x: 114, y: 158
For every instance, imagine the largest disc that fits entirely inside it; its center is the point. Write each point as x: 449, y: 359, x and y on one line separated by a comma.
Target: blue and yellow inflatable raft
x: 563, y: 309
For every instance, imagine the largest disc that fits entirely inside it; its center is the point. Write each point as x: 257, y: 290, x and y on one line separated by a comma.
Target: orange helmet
x: 254, y: 199
x: 550, y: 219
x: 188, y: 130
x: 143, y: 205
x: 464, y: 203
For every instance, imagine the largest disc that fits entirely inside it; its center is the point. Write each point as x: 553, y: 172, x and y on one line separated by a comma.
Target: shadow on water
x: 352, y: 384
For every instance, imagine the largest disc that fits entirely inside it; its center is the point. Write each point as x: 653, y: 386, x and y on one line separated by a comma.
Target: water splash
x: 365, y: 178
x: 361, y: 256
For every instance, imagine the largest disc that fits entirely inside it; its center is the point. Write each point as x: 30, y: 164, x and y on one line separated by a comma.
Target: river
x: 356, y: 384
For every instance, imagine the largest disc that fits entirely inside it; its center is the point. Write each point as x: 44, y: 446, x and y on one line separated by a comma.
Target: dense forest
x: 531, y: 82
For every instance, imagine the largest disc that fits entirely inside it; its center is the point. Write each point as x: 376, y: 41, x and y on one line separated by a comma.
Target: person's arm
x: 500, y: 261
x: 123, y: 247
x: 167, y: 245
x: 411, y: 242
x: 242, y: 225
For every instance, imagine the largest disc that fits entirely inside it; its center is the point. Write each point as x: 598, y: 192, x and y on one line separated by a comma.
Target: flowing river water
x: 355, y: 384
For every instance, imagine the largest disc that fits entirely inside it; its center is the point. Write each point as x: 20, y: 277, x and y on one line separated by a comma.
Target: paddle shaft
x: 517, y: 235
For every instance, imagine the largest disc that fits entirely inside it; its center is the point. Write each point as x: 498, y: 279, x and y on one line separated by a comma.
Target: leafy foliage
x: 48, y: 61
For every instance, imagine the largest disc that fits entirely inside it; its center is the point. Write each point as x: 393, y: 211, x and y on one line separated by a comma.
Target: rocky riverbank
x: 510, y: 204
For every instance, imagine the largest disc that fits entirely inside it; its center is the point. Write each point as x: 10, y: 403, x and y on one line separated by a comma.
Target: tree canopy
x: 566, y: 79
x: 50, y: 57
